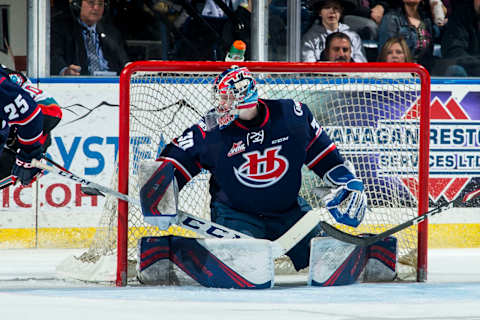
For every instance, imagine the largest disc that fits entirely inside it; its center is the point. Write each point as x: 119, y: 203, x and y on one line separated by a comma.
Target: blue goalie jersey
x: 256, y: 169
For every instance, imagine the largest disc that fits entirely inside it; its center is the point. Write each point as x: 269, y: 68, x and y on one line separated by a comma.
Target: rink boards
x: 55, y: 214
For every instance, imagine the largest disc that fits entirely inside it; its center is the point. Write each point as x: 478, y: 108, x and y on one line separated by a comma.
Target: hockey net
x: 377, y: 114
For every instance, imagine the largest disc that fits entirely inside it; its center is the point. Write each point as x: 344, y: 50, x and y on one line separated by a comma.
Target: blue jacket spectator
x: 415, y: 26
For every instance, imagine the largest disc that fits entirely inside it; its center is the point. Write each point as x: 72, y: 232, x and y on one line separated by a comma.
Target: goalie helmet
x: 233, y: 90
x: 16, y: 76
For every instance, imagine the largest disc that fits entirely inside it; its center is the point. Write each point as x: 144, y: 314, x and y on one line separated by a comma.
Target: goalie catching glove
x: 158, y: 193
x: 348, y: 202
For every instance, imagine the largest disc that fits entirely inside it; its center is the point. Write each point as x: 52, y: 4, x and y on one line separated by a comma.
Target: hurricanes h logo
x: 261, y: 170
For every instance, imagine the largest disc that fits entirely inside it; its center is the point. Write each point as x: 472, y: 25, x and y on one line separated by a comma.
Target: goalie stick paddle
x: 367, y: 240
x: 196, y: 224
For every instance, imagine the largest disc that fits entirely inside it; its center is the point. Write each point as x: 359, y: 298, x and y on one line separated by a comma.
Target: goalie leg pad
x: 335, y: 263
x: 382, y: 261
x: 214, y: 263
x: 159, y: 193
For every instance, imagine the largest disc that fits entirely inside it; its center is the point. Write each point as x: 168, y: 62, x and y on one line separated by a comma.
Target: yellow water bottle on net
x: 237, y: 51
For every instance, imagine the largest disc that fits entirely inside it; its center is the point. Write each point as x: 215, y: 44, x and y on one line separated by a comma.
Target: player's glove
x: 347, y: 203
x: 23, y: 169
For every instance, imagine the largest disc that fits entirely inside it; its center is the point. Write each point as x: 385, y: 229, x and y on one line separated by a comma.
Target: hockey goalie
x: 254, y: 149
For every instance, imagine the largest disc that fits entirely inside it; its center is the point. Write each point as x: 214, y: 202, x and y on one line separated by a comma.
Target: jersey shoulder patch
x: 293, y: 113
x: 292, y: 108
x: 297, y: 108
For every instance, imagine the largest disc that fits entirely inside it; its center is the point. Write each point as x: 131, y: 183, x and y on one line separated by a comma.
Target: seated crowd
x: 97, y: 37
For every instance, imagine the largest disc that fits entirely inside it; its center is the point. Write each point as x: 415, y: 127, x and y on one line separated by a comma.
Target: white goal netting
x: 373, y: 117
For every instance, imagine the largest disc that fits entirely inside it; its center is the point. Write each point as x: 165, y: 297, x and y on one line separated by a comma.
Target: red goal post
x: 311, y: 71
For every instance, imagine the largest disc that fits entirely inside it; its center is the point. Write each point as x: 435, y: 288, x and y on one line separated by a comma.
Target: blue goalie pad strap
x: 196, y: 261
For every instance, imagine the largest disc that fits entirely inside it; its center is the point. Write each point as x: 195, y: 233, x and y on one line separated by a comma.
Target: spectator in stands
x: 313, y: 41
x: 413, y: 24
x: 202, y: 30
x: 338, y: 48
x: 395, y: 50
x: 239, y: 28
x: 83, y: 45
x: 364, y: 16
x: 461, y: 40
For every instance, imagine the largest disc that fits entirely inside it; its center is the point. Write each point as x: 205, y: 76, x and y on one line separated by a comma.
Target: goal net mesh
x: 372, y: 117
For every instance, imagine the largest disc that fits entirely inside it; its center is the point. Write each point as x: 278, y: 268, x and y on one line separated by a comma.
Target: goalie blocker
x: 159, y: 193
x: 249, y: 264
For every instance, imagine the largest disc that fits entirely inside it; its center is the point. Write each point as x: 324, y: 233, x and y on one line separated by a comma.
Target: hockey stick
x: 367, y: 240
x: 84, y: 189
x: 187, y: 220
x: 12, y: 180
x: 7, y: 181
x: 201, y: 226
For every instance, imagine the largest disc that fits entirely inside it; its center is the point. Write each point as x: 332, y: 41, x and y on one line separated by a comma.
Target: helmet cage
x: 233, y: 90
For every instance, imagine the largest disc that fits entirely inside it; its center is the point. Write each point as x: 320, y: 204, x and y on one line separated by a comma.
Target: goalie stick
x: 196, y: 224
x: 12, y: 180
x: 367, y: 240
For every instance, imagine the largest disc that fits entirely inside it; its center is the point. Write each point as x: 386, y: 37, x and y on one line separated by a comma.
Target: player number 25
x: 13, y: 109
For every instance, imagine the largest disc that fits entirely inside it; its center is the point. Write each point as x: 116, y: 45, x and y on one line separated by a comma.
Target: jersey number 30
x: 186, y: 141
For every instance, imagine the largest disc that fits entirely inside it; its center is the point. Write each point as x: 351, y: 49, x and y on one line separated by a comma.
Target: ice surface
x: 29, y: 290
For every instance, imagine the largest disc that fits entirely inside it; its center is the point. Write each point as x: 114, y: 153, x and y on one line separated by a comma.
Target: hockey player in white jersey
x: 255, y: 149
